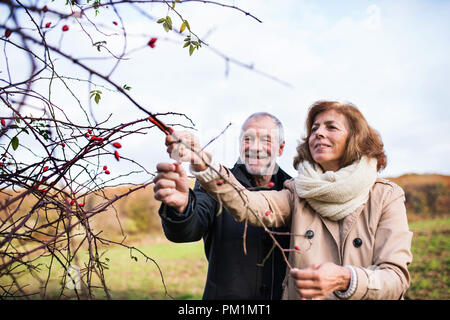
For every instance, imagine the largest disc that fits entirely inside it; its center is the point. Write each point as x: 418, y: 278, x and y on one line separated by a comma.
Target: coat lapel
x: 333, y: 229
x: 350, y: 220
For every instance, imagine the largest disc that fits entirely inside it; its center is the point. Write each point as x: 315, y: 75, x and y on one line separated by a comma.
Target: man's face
x: 260, y: 146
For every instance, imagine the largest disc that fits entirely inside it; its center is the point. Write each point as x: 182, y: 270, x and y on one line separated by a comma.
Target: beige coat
x: 381, y: 260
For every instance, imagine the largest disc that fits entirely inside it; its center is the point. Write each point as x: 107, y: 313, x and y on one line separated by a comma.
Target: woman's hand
x: 319, y: 281
x: 185, y: 147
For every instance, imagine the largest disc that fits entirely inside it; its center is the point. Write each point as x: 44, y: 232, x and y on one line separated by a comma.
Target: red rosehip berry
x: 63, y: 144
x: 81, y: 205
x: 3, y: 122
x: 98, y: 139
x: 117, y: 145
x: 271, y: 184
x: 267, y: 213
x: 65, y: 28
x: 220, y: 182
x: 115, y: 23
x: 45, y: 9
x: 86, y: 135
x: 116, y: 154
x: 45, y: 168
x: 7, y: 33
x: 90, y: 131
x: 48, y: 24
x: 1, y: 164
x: 107, y: 172
x: 105, y: 168
x: 297, y: 248
x: 152, y: 42
x: 72, y: 202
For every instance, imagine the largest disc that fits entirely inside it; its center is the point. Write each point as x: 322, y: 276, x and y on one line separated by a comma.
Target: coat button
x: 357, y: 242
x: 309, y: 234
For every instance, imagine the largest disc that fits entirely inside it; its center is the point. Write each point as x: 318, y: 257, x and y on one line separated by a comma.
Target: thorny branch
x: 50, y: 165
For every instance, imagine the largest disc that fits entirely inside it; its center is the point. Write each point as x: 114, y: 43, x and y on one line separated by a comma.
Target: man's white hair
x: 259, y: 115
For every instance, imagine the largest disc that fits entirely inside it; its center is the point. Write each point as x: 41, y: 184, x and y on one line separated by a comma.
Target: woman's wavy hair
x: 362, y: 139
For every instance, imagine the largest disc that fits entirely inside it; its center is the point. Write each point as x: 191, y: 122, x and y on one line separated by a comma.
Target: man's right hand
x: 172, y: 186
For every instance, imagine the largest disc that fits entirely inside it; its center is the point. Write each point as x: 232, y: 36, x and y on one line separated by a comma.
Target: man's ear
x: 281, y: 149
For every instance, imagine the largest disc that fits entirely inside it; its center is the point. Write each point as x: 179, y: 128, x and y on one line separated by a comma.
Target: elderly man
x: 190, y: 215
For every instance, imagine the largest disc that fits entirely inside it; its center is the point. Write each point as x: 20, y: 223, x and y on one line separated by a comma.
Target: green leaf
x: 96, y: 94
x: 166, y: 27
x: 169, y: 21
x: 161, y: 20
x: 98, y: 44
x: 15, y: 143
x: 126, y: 87
x: 187, y: 25
x: 191, y: 49
x: 188, y: 43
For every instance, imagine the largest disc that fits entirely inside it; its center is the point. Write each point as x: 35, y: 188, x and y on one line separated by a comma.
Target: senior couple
x: 341, y: 232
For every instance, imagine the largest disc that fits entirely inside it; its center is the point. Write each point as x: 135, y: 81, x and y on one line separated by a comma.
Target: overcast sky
x: 389, y: 58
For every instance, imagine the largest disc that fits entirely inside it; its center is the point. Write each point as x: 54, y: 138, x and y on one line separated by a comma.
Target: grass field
x: 184, y: 268
x: 430, y: 269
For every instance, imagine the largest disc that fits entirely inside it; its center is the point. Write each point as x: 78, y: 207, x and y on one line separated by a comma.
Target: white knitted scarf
x: 334, y: 195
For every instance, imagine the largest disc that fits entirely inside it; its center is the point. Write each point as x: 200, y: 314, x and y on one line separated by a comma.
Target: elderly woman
x: 349, y: 231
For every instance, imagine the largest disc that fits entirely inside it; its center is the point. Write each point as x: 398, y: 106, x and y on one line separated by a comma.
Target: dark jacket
x: 231, y: 273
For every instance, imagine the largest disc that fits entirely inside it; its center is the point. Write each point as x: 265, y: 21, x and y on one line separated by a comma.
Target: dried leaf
x: 183, y: 26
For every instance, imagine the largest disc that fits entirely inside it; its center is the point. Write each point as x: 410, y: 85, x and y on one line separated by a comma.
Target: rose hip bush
x: 54, y: 154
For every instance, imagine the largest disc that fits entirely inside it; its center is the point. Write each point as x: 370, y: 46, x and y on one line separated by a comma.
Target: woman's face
x: 328, y: 139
